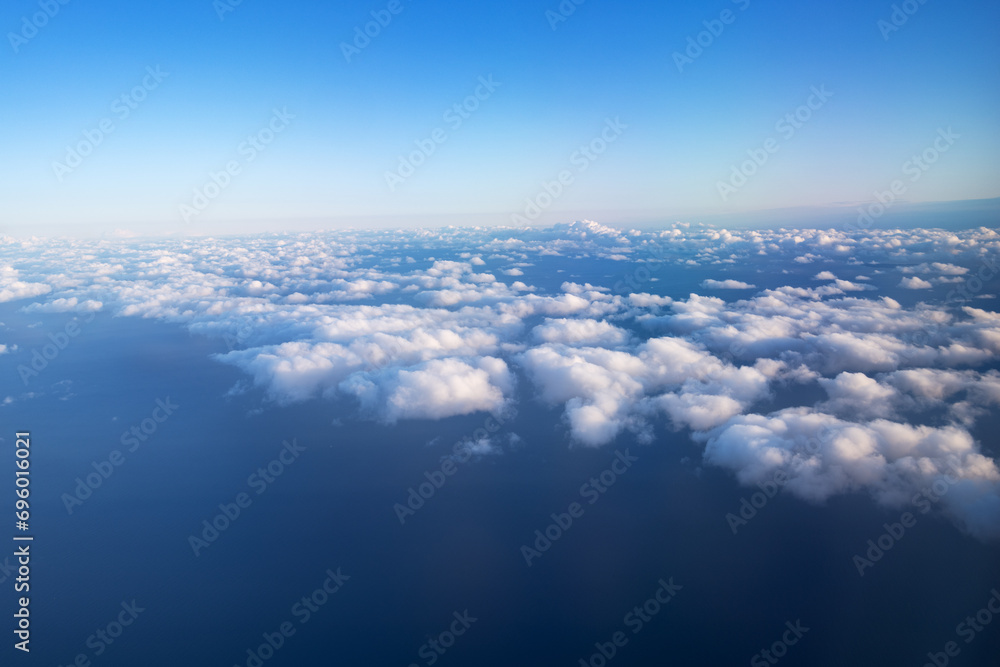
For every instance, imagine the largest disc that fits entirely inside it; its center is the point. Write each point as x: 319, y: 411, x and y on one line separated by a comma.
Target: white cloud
x: 345, y: 317
x: 699, y: 412
x: 856, y: 394
x: 645, y: 300
x: 941, y: 268
x: 580, y: 332
x: 64, y: 305
x: 848, y: 286
x: 914, y: 282
x: 949, y: 269
x: 447, y: 387
x: 824, y: 456
x: 726, y: 284
x: 13, y: 289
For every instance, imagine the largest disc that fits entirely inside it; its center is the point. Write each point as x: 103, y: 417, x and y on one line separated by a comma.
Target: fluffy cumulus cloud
x: 832, y: 381
x: 822, y: 455
x: 699, y: 412
x: 606, y: 391
x: 12, y: 288
x: 581, y: 331
x: 445, y: 388
x: 726, y: 284
x: 71, y: 304
x: 857, y: 394
x: 913, y: 282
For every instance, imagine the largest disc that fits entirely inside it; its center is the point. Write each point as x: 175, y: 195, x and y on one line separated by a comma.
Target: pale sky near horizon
x: 483, y: 113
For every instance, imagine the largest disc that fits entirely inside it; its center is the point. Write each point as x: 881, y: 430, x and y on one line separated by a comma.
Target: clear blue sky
x: 352, y: 120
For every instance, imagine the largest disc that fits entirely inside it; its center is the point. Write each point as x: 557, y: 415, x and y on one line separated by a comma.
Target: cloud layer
x: 438, y: 323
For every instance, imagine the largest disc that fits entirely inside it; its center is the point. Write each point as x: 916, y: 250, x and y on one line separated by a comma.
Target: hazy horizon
x: 206, y: 113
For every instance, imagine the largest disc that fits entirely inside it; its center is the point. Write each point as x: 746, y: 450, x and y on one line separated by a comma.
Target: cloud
x: 941, y: 268
x: 645, y: 300
x: 949, y: 269
x: 848, y: 286
x: 914, y: 283
x: 857, y: 395
x: 824, y: 456
x: 597, y: 386
x: 296, y: 371
x: 71, y: 304
x: 13, y: 289
x: 580, y: 332
x: 447, y: 387
x: 726, y: 284
x: 345, y: 318
x: 606, y: 392
x: 699, y: 412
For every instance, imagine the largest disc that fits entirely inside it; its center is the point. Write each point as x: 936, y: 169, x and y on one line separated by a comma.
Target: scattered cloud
x: 914, y: 283
x: 345, y: 317
x: 726, y: 284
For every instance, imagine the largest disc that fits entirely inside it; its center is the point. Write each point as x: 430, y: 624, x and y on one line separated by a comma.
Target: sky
x: 362, y: 131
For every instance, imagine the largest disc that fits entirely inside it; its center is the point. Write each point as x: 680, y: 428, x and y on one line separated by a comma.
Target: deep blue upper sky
x: 558, y: 86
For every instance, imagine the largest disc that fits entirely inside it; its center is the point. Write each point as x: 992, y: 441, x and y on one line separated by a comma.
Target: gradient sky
x: 685, y: 130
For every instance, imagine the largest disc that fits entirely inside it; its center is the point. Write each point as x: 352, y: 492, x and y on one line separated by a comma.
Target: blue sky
x: 558, y: 86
